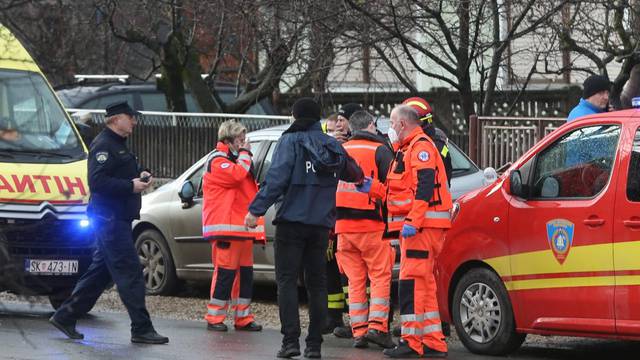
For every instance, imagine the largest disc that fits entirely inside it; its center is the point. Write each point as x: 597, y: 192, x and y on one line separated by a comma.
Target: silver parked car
x: 169, y: 232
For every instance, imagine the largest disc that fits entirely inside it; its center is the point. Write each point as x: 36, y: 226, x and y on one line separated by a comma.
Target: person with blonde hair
x: 228, y: 187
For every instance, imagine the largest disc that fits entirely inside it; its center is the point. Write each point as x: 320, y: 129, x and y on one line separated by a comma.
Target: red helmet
x: 421, y: 106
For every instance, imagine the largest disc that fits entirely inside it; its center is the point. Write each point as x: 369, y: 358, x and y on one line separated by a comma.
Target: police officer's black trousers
x: 301, y: 247
x: 114, y: 259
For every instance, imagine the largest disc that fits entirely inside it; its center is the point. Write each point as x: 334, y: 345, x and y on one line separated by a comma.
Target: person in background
x: 342, y: 132
x: 229, y: 184
x: 303, y: 178
x: 595, y: 97
x: 362, y: 253
x: 329, y: 126
x: 115, y: 182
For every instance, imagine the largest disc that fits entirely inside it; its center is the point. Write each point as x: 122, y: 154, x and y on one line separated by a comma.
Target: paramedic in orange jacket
x: 228, y: 188
x: 418, y: 201
x: 361, y: 251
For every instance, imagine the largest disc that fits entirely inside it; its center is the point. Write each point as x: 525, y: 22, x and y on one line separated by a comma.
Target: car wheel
x: 483, y: 316
x: 158, y: 269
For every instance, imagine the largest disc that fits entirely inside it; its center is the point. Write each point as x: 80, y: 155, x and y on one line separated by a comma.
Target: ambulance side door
x: 561, y: 234
x: 626, y: 235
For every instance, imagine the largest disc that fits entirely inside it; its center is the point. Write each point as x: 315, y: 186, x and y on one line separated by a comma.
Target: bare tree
x: 452, y: 42
x: 602, y: 37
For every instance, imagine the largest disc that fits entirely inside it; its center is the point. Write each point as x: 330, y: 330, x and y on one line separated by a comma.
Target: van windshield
x: 32, y: 120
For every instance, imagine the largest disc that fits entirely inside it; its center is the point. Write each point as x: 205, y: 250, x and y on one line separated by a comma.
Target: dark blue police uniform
x: 112, y: 207
x: 302, y: 179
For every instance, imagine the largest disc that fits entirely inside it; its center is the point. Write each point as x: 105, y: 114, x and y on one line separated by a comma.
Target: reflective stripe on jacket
x: 228, y: 188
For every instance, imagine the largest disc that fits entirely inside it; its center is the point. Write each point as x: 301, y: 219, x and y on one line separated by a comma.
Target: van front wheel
x: 483, y: 315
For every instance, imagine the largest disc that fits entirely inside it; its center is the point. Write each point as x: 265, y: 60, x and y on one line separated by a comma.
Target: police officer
x: 116, y: 182
x: 303, y: 176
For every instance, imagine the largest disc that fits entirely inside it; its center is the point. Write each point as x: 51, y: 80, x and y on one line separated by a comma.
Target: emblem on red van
x: 560, y: 236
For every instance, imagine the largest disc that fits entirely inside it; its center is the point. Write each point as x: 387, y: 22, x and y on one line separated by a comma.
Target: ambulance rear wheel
x: 483, y: 315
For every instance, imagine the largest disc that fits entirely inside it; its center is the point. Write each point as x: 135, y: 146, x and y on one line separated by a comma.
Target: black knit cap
x: 594, y: 84
x: 348, y: 110
x: 306, y: 109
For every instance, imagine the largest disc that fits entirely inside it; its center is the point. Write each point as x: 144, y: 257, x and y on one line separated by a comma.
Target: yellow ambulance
x: 45, y: 239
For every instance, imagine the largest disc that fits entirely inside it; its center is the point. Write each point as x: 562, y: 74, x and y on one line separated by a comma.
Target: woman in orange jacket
x: 228, y: 188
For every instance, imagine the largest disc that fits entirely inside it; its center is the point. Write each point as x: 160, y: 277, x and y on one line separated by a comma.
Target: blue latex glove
x: 408, y: 231
x: 365, y: 186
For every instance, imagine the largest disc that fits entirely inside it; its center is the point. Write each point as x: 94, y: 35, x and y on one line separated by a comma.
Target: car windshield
x: 31, y: 119
x: 459, y: 161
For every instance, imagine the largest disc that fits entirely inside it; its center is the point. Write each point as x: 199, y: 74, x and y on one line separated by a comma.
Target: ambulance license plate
x: 51, y: 267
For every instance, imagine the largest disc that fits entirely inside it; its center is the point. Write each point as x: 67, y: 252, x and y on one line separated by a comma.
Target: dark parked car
x: 142, y: 97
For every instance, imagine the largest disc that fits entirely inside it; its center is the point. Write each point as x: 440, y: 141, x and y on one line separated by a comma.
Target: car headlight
x: 84, y: 223
x: 454, y: 211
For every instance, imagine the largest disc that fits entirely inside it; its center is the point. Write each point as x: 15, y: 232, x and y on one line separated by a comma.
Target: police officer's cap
x: 120, y: 107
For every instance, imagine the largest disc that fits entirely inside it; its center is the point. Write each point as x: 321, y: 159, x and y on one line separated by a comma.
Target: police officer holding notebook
x: 116, y: 183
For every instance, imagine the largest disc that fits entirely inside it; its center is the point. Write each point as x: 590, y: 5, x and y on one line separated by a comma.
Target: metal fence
x: 169, y: 143
x: 497, y: 141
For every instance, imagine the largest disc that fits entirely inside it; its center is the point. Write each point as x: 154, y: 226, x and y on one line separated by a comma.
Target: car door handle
x: 593, y: 222
x: 632, y: 223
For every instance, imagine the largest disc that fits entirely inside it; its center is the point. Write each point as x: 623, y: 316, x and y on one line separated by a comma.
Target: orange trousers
x: 419, y: 312
x: 362, y: 256
x: 232, y: 283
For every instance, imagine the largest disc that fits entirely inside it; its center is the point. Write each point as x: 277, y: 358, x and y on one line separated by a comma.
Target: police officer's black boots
x: 150, y: 337
x: 69, y: 330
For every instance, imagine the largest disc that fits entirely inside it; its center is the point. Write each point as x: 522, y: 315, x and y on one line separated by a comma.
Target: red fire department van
x: 553, y: 246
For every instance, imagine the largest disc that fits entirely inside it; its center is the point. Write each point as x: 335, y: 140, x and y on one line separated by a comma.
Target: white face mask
x: 393, y: 135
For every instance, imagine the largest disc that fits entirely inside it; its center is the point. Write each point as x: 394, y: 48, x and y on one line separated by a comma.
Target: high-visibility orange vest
x: 228, y: 188
x: 356, y: 211
x: 417, y: 151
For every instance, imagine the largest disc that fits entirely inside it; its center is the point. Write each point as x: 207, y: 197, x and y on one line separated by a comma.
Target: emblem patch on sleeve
x: 225, y: 165
x: 423, y: 155
x: 102, y: 156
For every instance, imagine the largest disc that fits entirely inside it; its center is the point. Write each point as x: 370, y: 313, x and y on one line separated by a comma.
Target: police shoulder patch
x: 423, y: 155
x: 225, y: 165
x: 102, y: 157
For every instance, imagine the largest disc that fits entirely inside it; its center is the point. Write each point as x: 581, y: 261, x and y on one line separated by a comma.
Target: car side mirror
x: 516, y: 188
x: 186, y: 194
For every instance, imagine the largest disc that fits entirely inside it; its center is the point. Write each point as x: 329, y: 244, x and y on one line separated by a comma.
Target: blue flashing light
x: 84, y: 223
x: 635, y: 102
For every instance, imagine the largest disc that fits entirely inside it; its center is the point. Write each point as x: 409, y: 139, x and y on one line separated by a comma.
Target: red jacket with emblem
x: 228, y: 188
x: 416, y: 189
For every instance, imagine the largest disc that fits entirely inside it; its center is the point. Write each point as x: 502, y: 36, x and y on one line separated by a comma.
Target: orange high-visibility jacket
x: 228, y: 188
x: 356, y: 211
x: 412, y: 196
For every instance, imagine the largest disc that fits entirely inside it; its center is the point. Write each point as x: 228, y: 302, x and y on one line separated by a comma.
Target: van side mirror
x: 516, y: 188
x: 186, y: 194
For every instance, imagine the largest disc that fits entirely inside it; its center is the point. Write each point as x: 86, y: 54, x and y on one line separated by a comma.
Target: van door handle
x: 632, y: 223
x: 593, y: 222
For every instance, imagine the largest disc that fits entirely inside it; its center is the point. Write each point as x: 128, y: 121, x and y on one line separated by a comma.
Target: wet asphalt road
x: 26, y: 334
